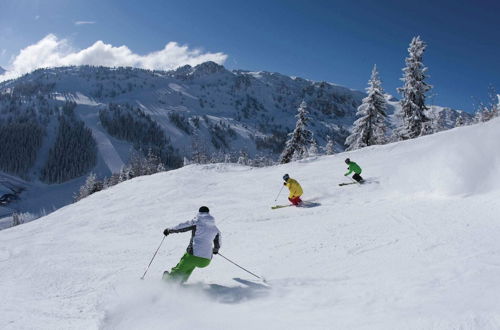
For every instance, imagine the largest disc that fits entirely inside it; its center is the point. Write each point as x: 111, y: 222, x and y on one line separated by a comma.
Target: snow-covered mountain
x: 61, y: 123
x: 2, y: 71
x: 225, y: 111
x: 416, y: 247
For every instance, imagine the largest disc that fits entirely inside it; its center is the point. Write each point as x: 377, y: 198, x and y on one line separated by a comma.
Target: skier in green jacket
x: 353, y: 167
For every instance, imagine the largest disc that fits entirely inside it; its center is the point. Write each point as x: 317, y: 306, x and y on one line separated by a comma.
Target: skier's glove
x: 166, y: 232
x: 215, y: 251
x: 284, y: 183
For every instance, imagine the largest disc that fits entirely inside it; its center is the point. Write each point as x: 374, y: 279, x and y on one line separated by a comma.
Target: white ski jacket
x: 204, y: 232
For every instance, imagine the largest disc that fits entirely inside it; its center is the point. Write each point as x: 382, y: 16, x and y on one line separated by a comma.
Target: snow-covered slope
x: 416, y: 247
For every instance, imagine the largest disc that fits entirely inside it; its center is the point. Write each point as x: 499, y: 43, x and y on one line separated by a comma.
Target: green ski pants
x: 185, y: 267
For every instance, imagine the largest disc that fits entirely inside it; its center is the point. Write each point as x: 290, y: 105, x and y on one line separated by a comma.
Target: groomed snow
x: 417, y: 247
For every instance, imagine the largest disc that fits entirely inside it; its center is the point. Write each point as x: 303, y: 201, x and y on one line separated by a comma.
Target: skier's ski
x: 252, y: 284
x: 346, y: 183
x: 280, y: 206
x: 303, y: 204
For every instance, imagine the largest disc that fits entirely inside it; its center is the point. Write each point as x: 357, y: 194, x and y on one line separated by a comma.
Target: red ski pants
x: 295, y: 200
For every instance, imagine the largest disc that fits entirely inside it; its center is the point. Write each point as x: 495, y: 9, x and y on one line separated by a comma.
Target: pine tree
x: 114, y: 179
x: 497, y: 106
x: 125, y: 173
x: 138, y: 164
x: 160, y: 167
x: 243, y: 158
x: 313, y: 149
x: 459, y: 122
x: 413, y: 92
x: 199, y: 149
x: 73, y: 153
x: 427, y: 128
x: 330, y: 145
x: 152, y: 163
x: 16, y: 219
x: 87, y: 188
x: 370, y: 127
x: 481, y: 115
x: 490, y: 110
x: 300, y: 138
x: 493, y: 103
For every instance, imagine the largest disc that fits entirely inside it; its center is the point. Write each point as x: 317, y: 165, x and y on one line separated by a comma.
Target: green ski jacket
x: 353, y: 167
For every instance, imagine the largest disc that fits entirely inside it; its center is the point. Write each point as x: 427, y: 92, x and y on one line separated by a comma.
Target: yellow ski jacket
x: 295, y: 188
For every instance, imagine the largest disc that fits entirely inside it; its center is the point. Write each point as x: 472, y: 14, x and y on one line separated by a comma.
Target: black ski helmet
x: 286, y: 177
x: 347, y: 160
x: 203, y: 209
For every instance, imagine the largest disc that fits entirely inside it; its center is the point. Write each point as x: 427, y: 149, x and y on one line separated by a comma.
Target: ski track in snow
x: 107, y: 151
x: 88, y: 110
x: 413, y: 250
x: 90, y: 115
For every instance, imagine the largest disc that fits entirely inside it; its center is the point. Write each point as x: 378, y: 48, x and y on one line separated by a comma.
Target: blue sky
x: 334, y: 41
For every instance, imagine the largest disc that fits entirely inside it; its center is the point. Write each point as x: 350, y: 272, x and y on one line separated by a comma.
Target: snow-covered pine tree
x: 370, y: 127
x: 16, y: 219
x: 160, y: 167
x: 413, y: 92
x: 114, y: 179
x: 152, y: 163
x: 459, y: 122
x: 300, y: 138
x: 87, y: 188
x: 488, y: 111
x: 313, y: 149
x: 481, y: 115
x: 497, y: 106
x: 243, y: 158
x: 125, y: 173
x: 199, y: 149
x: 428, y: 128
x: 493, y: 105
x: 330, y: 145
x: 137, y: 164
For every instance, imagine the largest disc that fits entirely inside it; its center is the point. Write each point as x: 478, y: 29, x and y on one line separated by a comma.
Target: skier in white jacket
x: 205, y: 241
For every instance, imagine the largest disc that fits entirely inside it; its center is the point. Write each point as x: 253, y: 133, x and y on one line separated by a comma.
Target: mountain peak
x: 2, y: 70
x: 207, y: 68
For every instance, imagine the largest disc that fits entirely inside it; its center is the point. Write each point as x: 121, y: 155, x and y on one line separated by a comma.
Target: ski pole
x: 279, y: 193
x: 246, y: 270
x: 154, y: 255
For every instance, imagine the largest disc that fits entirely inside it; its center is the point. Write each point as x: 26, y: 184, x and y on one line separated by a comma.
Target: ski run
x: 416, y: 248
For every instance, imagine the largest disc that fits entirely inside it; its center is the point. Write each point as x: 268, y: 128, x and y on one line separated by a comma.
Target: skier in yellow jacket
x: 295, y: 190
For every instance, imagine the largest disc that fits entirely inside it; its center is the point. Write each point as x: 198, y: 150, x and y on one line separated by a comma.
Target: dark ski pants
x: 185, y: 267
x: 357, y: 177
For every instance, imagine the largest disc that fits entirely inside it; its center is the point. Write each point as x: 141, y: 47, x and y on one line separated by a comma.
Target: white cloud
x: 84, y: 22
x: 53, y: 52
